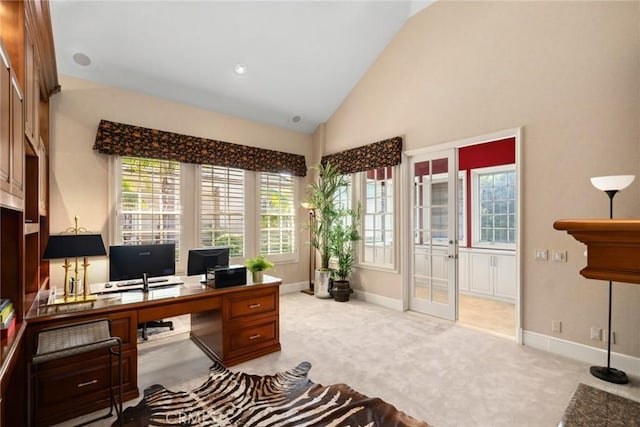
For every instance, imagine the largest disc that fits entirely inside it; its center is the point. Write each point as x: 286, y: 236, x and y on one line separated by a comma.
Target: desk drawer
x: 173, y: 309
x: 252, y: 304
x: 251, y: 337
x: 65, y: 392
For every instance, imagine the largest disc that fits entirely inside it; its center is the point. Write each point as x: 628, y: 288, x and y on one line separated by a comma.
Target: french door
x: 434, y: 247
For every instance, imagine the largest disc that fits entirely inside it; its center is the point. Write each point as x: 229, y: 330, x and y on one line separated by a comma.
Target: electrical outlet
x: 556, y: 326
x: 596, y: 333
x: 605, y: 336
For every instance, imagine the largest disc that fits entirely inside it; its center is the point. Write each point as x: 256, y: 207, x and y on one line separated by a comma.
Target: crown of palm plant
x: 322, y: 196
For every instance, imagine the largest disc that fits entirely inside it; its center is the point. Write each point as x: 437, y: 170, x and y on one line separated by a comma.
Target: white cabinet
x: 490, y: 274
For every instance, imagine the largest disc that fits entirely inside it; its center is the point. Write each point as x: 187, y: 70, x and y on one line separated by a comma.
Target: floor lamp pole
x: 312, y: 258
x: 608, y: 373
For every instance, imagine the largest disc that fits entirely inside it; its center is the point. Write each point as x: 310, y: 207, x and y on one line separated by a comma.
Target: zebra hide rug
x: 285, y: 399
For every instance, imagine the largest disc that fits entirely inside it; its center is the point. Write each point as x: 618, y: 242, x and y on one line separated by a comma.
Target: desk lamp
x: 610, y: 185
x: 75, y: 242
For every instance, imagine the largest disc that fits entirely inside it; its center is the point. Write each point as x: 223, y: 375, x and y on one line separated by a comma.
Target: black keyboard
x: 139, y: 282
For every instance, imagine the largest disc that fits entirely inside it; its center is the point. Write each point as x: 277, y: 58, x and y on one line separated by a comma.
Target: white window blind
x: 222, y: 219
x: 149, y: 203
x: 277, y: 214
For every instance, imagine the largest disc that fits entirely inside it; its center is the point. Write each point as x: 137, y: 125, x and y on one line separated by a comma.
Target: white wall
x: 79, y: 175
x: 568, y: 73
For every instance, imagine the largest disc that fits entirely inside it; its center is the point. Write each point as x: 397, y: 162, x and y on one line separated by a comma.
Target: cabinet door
x: 5, y: 123
x: 43, y: 177
x: 480, y: 273
x: 505, y: 276
x: 29, y: 64
x: 17, y: 140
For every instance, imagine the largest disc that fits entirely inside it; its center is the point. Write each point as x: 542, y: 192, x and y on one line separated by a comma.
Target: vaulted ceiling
x: 301, y: 58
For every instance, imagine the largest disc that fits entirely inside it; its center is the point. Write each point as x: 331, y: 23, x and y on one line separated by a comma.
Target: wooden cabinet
x: 43, y: 179
x: 17, y: 140
x: 32, y: 91
x: 11, y: 137
x: 6, y: 152
x: 490, y: 274
x: 80, y: 384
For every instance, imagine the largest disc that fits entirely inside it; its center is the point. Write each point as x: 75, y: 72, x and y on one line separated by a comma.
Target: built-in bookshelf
x: 28, y: 77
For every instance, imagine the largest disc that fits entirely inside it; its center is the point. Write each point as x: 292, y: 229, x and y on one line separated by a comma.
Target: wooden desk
x: 234, y: 324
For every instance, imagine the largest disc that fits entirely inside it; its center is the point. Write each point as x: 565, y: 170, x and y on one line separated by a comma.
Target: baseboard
x: 394, y: 304
x: 581, y: 352
x: 290, y: 288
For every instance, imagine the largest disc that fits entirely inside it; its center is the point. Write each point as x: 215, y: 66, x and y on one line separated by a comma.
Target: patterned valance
x: 126, y: 140
x: 373, y: 156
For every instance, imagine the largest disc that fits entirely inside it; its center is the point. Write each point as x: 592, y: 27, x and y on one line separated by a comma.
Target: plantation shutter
x: 222, y: 220
x: 149, y: 207
x: 277, y: 214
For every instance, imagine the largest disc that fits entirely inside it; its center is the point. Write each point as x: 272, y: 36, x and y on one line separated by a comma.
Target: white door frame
x: 405, y: 210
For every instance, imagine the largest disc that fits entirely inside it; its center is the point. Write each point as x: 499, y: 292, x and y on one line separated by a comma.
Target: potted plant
x: 257, y: 265
x: 322, y: 197
x: 343, y: 236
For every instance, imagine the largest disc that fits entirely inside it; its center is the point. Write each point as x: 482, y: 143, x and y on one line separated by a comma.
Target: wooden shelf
x: 613, y: 247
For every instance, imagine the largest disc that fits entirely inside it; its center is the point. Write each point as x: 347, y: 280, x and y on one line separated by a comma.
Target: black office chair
x: 154, y: 324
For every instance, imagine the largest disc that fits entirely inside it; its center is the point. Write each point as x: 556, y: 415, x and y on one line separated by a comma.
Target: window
x: 495, y: 220
x: 378, y: 217
x: 221, y: 201
x: 277, y: 215
x: 248, y: 211
x: 149, y: 202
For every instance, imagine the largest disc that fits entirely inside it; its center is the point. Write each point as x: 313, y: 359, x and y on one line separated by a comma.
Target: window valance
x: 126, y: 140
x: 372, y: 156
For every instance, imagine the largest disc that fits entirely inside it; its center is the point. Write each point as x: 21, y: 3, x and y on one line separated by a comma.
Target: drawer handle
x: 87, y: 383
x: 254, y: 305
x: 255, y: 337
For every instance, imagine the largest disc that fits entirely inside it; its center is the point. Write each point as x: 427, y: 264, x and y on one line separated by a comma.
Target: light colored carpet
x: 434, y: 370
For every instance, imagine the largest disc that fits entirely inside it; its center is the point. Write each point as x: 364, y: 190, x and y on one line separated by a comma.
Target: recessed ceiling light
x: 81, y: 59
x: 240, y: 69
x: 295, y: 119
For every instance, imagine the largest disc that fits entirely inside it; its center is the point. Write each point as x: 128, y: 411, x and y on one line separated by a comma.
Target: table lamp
x: 75, y: 242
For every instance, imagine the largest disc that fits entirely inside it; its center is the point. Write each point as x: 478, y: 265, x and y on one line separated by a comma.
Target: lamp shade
x: 613, y: 182
x: 74, y: 245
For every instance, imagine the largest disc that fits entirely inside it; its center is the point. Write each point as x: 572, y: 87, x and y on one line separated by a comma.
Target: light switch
x: 542, y: 255
x: 559, y: 256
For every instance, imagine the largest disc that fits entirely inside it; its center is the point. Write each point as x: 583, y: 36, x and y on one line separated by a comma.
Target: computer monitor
x: 201, y: 261
x: 130, y: 262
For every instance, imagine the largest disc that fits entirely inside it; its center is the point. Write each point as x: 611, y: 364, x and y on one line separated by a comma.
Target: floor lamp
x: 610, y: 185
x: 312, y: 249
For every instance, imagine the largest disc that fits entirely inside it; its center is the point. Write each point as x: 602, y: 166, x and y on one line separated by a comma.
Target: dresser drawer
x: 251, y: 337
x: 252, y: 304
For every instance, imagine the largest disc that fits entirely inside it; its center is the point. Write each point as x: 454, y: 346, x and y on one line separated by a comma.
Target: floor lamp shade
x: 613, y: 182
x: 610, y: 185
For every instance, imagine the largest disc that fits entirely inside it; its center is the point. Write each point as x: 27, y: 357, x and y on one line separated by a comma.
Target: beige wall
x: 568, y: 73
x: 79, y: 175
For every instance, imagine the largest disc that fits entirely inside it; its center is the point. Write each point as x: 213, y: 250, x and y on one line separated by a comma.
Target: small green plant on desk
x: 257, y: 265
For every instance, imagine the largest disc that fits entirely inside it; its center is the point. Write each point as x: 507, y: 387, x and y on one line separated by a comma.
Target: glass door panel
x: 434, y: 224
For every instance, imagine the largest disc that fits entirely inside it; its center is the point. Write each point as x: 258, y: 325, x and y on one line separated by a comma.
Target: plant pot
x: 341, y: 290
x: 321, y: 285
x: 258, y: 276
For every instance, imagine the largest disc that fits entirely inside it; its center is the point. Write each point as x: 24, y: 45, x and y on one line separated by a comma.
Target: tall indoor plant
x: 322, y: 196
x: 343, y: 237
